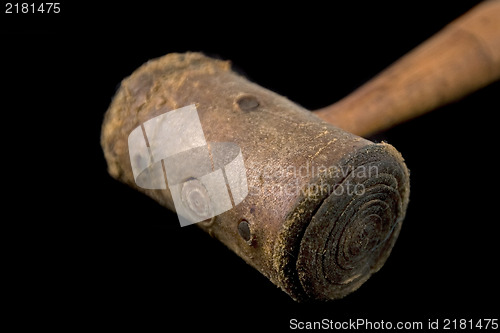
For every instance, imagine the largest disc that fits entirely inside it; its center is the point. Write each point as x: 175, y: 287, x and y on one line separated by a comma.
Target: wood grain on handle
x: 460, y: 59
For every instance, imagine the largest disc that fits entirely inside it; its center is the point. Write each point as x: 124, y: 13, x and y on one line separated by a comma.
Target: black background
x: 89, y: 251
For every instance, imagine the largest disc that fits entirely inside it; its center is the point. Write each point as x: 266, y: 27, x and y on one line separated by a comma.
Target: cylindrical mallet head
x: 314, y: 208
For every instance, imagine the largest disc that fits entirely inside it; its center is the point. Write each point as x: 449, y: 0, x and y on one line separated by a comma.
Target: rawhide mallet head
x: 314, y: 208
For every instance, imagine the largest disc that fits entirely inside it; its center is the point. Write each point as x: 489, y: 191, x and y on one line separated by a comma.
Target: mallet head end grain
x: 331, y: 244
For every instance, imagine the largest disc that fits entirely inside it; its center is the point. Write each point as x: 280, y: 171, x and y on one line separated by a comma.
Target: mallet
x: 318, y: 208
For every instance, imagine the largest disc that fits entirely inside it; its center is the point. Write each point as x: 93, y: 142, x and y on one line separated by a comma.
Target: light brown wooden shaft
x: 460, y: 59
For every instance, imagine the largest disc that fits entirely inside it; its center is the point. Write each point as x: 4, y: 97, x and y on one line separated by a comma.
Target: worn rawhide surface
x: 324, y: 206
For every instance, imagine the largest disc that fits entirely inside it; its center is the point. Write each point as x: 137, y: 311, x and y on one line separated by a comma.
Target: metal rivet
x: 244, y: 230
x: 247, y: 103
x: 195, y: 197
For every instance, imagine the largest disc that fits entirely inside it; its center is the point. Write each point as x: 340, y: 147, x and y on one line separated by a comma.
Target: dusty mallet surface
x: 321, y: 208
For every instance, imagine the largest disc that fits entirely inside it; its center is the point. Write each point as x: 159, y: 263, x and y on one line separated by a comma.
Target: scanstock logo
x: 205, y: 179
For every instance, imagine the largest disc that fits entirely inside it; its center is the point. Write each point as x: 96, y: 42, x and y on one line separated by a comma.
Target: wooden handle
x: 460, y: 59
